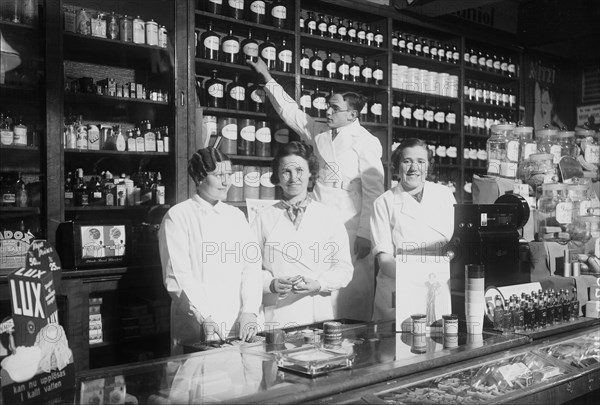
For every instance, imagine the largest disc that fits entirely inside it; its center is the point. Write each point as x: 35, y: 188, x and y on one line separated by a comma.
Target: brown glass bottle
x: 215, y: 90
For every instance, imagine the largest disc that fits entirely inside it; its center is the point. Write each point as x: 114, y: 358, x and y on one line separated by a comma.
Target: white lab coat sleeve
x: 258, y: 230
x: 177, y: 268
x: 448, y: 206
x: 251, y: 288
x: 337, y: 255
x: 372, y: 179
x: 287, y: 108
x: 381, y: 227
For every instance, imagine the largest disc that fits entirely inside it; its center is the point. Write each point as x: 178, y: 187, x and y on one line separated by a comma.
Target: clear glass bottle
x: 579, y: 229
x: 547, y: 141
x: 496, y: 148
x: 554, y: 213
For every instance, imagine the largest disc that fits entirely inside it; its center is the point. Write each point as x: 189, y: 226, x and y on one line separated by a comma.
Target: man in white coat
x: 350, y: 179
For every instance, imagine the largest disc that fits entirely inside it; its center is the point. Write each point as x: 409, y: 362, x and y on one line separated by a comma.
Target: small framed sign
x: 88, y: 244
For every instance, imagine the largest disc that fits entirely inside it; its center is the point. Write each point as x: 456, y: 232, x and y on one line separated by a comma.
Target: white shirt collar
x: 218, y: 207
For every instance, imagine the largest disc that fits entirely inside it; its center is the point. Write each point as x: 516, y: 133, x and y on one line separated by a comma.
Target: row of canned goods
x: 246, y: 137
x: 113, y: 26
x: 251, y: 182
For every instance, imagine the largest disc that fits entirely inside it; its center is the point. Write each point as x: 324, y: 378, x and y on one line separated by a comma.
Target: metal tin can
x: 151, y: 33
x: 332, y: 334
x: 84, y: 22
x: 419, y: 324
x: 450, y: 324
x: 139, y: 31
x: 112, y: 27
x: 126, y: 29
x: 162, y: 36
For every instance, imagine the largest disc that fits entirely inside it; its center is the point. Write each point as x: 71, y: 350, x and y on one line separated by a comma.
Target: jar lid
x: 450, y: 317
x: 503, y: 127
x: 546, y: 132
x: 566, y: 134
x: 577, y: 187
x: 418, y: 316
x: 541, y: 156
x: 519, y: 130
x: 584, y: 131
x: 553, y: 186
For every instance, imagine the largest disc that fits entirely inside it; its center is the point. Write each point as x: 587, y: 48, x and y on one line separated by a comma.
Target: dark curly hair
x: 409, y: 143
x: 204, y: 161
x: 296, y: 148
x: 354, y: 100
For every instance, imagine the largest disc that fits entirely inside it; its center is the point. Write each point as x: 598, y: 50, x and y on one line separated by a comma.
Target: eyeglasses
x: 335, y: 109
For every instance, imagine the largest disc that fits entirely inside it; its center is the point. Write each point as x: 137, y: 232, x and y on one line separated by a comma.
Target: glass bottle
x: 285, y: 58
x: 21, y: 195
x: 257, y: 98
x: 566, y: 140
x: 354, y: 70
x: 369, y: 36
x: 304, y: 62
x: 405, y: 113
x: 511, y: 68
x: 566, y: 305
x: 215, y: 91
x: 547, y: 141
x: 375, y: 110
x: 439, y: 118
x: 82, y: 135
x: 558, y: 309
x: 249, y: 49
x: 352, y: 32
x: 305, y: 100
x: 158, y: 190
x: 529, y: 315
x: 417, y: 115
x: 417, y: 46
x: 236, y: 94
x: 319, y: 104
x: 433, y: 50
x: 396, y: 113
x: 237, y: 9
x: 81, y: 195
x: 332, y: 29
x: 496, y: 148
x: 428, y: 116
x: 310, y: 25
x: 209, y: 43
x: 401, y: 43
x: 554, y: 213
x: 575, y: 305
x: 68, y: 193
x: 342, y: 30
x: 377, y: 74
x: 268, y: 52
x: 473, y: 58
x: 230, y: 47
x: 361, y: 34
x: 330, y: 66
x: 366, y: 71
x: 425, y: 48
x: 322, y: 26
x: 20, y: 132
x: 316, y: 64
x: 507, y: 317
x: 257, y: 11
x: 343, y: 69
x: 410, y: 45
x: 279, y: 12
x: 441, y: 52
x: 378, y: 37
x: 450, y: 119
x: 550, y: 307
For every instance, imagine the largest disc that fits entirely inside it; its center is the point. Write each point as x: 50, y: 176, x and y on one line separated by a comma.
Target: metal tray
x: 312, y: 361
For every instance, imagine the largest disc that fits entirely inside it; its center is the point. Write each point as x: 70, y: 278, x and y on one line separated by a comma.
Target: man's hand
x: 362, y: 247
x: 211, y: 329
x: 248, y: 326
x: 281, y: 286
x: 261, y: 68
x: 306, y: 286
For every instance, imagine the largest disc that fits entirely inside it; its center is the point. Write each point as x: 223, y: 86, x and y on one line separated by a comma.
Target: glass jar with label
x: 591, y: 153
x: 554, y: 214
x: 566, y: 140
x: 538, y: 169
x: 547, y: 141
x: 499, y: 161
x: 527, y: 145
x: 583, y: 135
x: 579, y: 231
x: 508, y: 168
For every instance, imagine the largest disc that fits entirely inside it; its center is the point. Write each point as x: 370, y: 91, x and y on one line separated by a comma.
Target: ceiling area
x: 565, y: 28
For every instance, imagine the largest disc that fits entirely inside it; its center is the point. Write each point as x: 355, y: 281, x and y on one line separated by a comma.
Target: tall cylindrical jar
x: 228, y: 130
x: 246, y: 138
x: 554, y: 213
x: 262, y: 146
x: 566, y: 139
x: 496, y: 148
x: 547, y: 141
x: 578, y: 193
x: 236, y: 191
x: 267, y: 189
x: 139, y: 31
x: 251, y: 182
x: 527, y: 145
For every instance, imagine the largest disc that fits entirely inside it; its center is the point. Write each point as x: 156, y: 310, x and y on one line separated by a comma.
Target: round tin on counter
x: 236, y: 191
x: 419, y: 323
x: 311, y: 335
x: 450, y: 324
x: 263, y: 139
x: 228, y: 129
x: 332, y: 334
x: 450, y: 341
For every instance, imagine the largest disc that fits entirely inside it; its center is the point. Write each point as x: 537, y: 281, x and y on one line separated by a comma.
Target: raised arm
x: 287, y: 108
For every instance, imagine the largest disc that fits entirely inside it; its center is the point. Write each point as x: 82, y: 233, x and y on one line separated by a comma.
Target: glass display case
x: 580, y: 352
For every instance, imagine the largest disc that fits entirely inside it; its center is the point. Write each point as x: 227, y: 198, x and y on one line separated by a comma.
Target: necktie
x: 296, y: 211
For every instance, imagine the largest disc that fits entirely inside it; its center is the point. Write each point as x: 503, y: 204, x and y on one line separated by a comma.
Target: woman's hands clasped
x: 296, y: 285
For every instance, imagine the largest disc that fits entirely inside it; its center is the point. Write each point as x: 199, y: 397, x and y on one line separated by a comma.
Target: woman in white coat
x: 305, y: 247
x: 210, y: 260
x: 415, y: 217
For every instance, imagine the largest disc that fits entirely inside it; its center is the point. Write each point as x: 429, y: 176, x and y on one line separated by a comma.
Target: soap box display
x: 40, y: 363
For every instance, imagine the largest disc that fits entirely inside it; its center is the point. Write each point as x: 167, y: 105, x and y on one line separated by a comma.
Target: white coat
x: 350, y: 179
x: 401, y: 224
x: 318, y: 249
x: 211, y: 262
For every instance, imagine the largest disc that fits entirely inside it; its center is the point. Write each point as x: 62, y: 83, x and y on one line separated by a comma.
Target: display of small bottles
x: 98, y: 136
x: 417, y: 45
x: 114, y: 26
x: 104, y: 189
x: 423, y: 114
x: 232, y: 94
x: 491, y: 61
x: 18, y: 190
x: 277, y: 13
x: 325, y: 63
x: 479, y: 122
x: 535, y: 311
x: 15, y: 131
x: 278, y: 55
x: 490, y: 93
x: 475, y: 154
x: 327, y: 26
x: 109, y: 87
